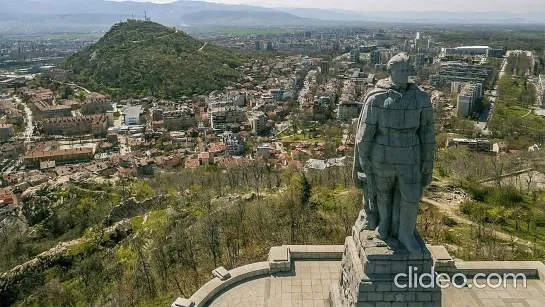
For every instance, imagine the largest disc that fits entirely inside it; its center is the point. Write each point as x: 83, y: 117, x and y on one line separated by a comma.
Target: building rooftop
x: 133, y: 111
x: 472, y: 47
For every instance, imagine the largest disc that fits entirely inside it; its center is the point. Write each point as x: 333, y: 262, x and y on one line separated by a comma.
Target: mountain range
x: 76, y: 15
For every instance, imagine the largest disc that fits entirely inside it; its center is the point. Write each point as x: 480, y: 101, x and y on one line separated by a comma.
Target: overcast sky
x: 515, y: 6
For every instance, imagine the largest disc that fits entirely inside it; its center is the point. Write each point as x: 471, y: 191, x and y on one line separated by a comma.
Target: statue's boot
x: 384, y: 205
x: 407, y: 225
x: 410, y: 242
x: 383, y: 227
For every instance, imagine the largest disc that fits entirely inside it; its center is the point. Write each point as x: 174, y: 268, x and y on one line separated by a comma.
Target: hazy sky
x: 516, y: 6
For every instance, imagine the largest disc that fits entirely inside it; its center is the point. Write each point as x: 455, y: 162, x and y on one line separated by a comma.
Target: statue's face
x: 399, y: 73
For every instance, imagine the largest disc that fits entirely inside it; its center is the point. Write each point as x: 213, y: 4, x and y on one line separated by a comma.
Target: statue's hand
x: 357, y: 180
x: 366, y: 166
x: 360, y: 175
x: 427, y: 179
x: 426, y: 169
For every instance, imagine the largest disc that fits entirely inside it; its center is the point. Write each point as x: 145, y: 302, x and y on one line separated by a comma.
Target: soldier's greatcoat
x: 396, y: 138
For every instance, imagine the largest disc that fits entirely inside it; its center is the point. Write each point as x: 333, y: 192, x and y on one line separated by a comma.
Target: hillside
x: 138, y: 59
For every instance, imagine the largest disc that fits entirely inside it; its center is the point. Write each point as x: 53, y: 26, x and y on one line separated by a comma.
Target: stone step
x: 441, y: 256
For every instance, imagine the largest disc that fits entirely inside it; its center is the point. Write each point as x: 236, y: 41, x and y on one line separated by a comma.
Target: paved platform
x: 249, y: 293
x: 531, y: 296
x: 307, y: 284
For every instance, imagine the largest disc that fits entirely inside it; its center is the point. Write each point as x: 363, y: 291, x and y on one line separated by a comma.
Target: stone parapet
x: 279, y: 260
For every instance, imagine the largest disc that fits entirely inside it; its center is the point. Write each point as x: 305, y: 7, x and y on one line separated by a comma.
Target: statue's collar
x: 388, y: 85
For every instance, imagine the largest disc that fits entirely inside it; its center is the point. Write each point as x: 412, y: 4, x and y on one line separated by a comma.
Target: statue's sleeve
x: 367, y: 127
x: 426, y: 132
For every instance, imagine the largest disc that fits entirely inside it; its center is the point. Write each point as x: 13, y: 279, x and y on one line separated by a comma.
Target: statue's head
x: 398, y: 67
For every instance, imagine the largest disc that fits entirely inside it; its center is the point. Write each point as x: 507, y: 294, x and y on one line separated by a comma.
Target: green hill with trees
x: 143, y: 58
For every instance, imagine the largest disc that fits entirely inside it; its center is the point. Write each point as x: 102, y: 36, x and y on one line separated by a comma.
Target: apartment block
x: 93, y: 124
x: 222, y: 116
x: 469, y: 98
x: 6, y: 131
x: 52, y: 151
x: 346, y: 111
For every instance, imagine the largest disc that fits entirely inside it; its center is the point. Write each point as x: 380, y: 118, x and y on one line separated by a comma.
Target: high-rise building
x: 355, y: 55
x: 346, y: 111
x: 374, y: 57
x: 324, y: 67
x: 495, y: 53
x: 367, y: 49
x: 469, y: 99
x: 461, y: 72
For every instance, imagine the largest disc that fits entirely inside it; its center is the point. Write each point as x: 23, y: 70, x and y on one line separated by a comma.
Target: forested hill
x: 143, y: 58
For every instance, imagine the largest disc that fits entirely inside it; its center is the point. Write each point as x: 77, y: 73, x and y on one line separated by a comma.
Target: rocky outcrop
x: 59, y: 254
x: 130, y: 208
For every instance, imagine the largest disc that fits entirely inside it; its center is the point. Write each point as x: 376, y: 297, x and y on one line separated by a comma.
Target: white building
x: 258, y: 121
x: 466, y: 50
x: 346, y: 111
x: 541, y: 89
x: 264, y: 150
x: 132, y: 115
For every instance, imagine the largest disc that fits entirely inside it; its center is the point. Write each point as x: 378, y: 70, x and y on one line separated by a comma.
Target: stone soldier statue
x: 394, y: 153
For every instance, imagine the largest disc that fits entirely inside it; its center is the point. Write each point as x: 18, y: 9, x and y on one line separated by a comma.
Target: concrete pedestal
x: 369, y: 268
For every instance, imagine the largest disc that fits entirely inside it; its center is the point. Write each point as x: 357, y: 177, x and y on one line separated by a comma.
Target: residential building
x: 355, y: 55
x: 495, y: 53
x: 469, y: 98
x: 324, y: 67
x: 361, y: 77
x: 460, y: 72
x: 8, y: 201
x: 541, y: 89
x: 222, y: 116
x: 95, y: 98
x: 95, y: 104
x: 346, y: 111
x: 258, y: 121
x: 367, y: 49
x: 52, y: 151
x: 471, y: 144
x: 321, y: 165
x: 456, y: 87
x: 39, y: 94
x: 374, y: 57
x: 472, y: 50
x: 6, y: 131
x: 48, y: 110
x: 264, y: 150
x: 93, y: 124
x: 132, y: 115
x: 179, y: 119
x: 236, y: 144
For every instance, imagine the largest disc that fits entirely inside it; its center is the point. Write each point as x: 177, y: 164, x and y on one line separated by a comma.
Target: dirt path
x: 452, y: 212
